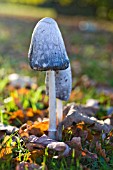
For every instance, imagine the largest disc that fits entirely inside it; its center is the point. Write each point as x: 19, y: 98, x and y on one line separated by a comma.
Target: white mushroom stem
x: 59, y: 116
x: 52, y: 105
x: 59, y: 111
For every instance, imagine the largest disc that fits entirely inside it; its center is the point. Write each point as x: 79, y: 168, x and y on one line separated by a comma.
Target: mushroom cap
x: 47, y: 50
x: 63, y: 83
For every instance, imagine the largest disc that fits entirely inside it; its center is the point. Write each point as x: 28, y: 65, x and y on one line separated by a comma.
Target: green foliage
x: 28, y: 2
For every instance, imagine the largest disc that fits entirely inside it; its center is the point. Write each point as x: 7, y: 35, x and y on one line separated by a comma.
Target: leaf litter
x: 84, y: 134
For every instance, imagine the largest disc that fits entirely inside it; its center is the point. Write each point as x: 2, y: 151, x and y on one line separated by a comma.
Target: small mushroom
x: 63, y: 84
x: 47, y: 53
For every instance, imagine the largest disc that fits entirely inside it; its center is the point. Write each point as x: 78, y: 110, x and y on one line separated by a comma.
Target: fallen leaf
x: 76, y: 141
x: 83, y: 131
x: 17, y: 117
x: 28, y: 166
x: 43, y: 140
x: 23, y: 131
x: 23, y: 91
x: 8, y: 129
x: 61, y: 147
x: 29, y: 113
x: 4, y: 152
x: 76, y: 144
x: 34, y: 128
x: 87, y: 154
x: 34, y: 115
x: 34, y: 146
x: 86, y: 110
x: 75, y: 116
x: 36, y: 154
x: 76, y: 94
x: 2, y: 133
x: 101, y: 151
x: 38, y: 128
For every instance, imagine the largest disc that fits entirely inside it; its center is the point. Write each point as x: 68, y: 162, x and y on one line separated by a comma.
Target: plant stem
x: 52, y: 105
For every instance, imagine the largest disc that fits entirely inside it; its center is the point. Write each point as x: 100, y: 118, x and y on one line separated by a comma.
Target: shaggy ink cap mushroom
x: 47, y: 50
x: 63, y: 83
x: 63, y: 87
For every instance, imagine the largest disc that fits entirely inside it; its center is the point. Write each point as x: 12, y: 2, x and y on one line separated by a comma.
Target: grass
x: 94, y: 49
x: 25, y: 11
x: 20, y: 153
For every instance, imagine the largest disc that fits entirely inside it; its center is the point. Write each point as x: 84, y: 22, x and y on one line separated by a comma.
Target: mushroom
x: 47, y: 53
x: 63, y: 84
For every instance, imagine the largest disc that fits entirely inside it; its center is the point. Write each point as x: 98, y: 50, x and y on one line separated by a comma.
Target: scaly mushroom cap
x: 63, y: 84
x: 47, y: 50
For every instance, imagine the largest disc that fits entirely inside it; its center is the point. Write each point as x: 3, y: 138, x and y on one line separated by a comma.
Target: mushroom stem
x: 52, y: 105
x: 59, y: 117
x: 59, y: 111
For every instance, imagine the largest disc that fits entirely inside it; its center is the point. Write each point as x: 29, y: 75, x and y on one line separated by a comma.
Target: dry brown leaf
x: 81, y: 130
x: 61, y: 147
x: 43, y: 140
x: 38, y: 128
x: 23, y: 91
x: 76, y: 144
x: 87, y: 154
x: 29, y: 113
x: 75, y: 116
x: 76, y: 94
x: 28, y: 166
x: 80, y: 125
x: 29, y: 123
x: 4, y: 152
x: 34, y: 146
x: 2, y: 133
x: 23, y: 131
x: 24, y: 134
x: 41, y: 113
x: 86, y: 110
x: 76, y: 141
x: 36, y: 153
x: 6, y: 147
x: 101, y: 151
x: 96, y: 137
x: 36, y: 114
x: 19, y: 115
x: 16, y: 160
x: 7, y: 129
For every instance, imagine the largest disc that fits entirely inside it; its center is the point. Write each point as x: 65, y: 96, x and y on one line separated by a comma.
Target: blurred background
x: 86, y: 26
